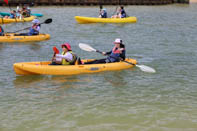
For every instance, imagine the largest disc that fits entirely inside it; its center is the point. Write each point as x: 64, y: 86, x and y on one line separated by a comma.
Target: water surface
x: 163, y: 38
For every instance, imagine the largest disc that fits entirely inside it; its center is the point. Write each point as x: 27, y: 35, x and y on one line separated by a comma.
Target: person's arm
x: 68, y: 56
x: 122, y: 55
x: 109, y: 52
x: 36, y: 28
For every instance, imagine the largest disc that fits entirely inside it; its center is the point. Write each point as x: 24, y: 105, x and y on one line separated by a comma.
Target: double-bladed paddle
x: 144, y: 68
x: 47, y: 21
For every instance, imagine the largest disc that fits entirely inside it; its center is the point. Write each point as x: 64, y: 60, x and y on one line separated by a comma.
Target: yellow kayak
x: 42, y: 68
x: 84, y: 20
x: 7, y: 20
x: 11, y: 37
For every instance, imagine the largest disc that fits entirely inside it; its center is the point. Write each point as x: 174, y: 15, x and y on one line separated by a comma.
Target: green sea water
x: 164, y: 38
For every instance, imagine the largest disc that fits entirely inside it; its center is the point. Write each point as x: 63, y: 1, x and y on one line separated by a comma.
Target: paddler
x: 103, y: 13
x: 67, y: 57
x: 115, y: 55
x: 34, y: 30
x: 1, y: 31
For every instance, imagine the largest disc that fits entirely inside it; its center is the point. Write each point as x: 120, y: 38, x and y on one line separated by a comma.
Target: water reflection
x: 34, y: 81
x: 32, y: 45
x: 27, y: 81
x: 1, y: 46
x: 116, y: 78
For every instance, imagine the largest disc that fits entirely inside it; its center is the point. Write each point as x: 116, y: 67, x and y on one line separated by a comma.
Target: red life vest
x: 115, y: 50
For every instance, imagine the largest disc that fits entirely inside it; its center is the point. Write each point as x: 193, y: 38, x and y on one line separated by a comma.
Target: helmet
x: 117, y: 40
x: 67, y: 45
x: 35, y: 21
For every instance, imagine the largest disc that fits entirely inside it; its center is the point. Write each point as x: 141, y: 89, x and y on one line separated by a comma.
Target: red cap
x: 67, y: 45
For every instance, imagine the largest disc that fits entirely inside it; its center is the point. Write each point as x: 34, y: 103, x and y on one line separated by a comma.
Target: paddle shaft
x: 45, y: 22
x: 24, y: 29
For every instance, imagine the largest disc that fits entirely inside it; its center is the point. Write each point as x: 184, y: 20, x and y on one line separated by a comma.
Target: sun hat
x: 36, y: 21
x: 117, y: 40
x: 67, y: 45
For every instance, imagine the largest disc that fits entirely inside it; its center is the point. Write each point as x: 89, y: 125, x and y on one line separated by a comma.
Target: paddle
x: 144, y: 68
x: 115, y: 11
x: 101, y: 7
x: 56, y: 51
x: 47, y: 21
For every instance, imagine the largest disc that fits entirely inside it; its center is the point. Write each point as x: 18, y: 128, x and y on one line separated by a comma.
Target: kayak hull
x: 10, y: 37
x: 42, y: 68
x: 8, y: 14
x: 7, y: 21
x: 85, y: 20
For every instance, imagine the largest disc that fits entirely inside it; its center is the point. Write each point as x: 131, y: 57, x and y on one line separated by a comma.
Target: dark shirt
x: 104, y: 15
x: 123, y: 13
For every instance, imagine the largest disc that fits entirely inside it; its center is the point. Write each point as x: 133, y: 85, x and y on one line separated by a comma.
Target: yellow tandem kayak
x: 42, y: 68
x: 84, y: 20
x: 11, y: 37
x: 7, y: 20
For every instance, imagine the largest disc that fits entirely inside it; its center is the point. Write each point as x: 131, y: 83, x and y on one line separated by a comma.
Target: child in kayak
x: 1, y: 31
x: 67, y: 57
x: 115, y: 55
x: 120, y: 13
x: 25, y: 12
x: 12, y: 15
x: 34, y: 30
x: 103, y: 13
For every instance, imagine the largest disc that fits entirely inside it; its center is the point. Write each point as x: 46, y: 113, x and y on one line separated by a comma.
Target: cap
x: 36, y: 21
x: 117, y: 40
x: 67, y: 45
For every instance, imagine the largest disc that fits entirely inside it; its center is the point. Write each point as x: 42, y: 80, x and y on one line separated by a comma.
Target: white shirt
x: 68, y: 56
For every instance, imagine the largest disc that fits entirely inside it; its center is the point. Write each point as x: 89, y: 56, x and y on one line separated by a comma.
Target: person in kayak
x: 120, y: 13
x: 34, y: 30
x: 67, y: 57
x: 12, y: 15
x: 1, y: 31
x: 25, y: 12
x: 115, y: 55
x: 103, y: 13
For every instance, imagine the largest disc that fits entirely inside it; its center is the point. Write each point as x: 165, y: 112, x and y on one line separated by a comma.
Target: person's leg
x: 100, y: 61
x: 21, y: 34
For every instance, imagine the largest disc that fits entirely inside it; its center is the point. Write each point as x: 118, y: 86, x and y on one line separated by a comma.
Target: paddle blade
x: 17, y: 8
x: 86, y: 47
x: 6, y: 1
x: 101, y: 7
x: 146, y: 68
x: 48, y: 21
x: 56, y: 51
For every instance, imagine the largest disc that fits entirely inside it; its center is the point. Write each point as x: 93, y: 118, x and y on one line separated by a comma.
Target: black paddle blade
x: 48, y: 21
x: 101, y: 7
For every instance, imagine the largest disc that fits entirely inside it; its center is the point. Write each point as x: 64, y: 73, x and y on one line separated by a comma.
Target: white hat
x: 117, y: 40
x: 36, y: 21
